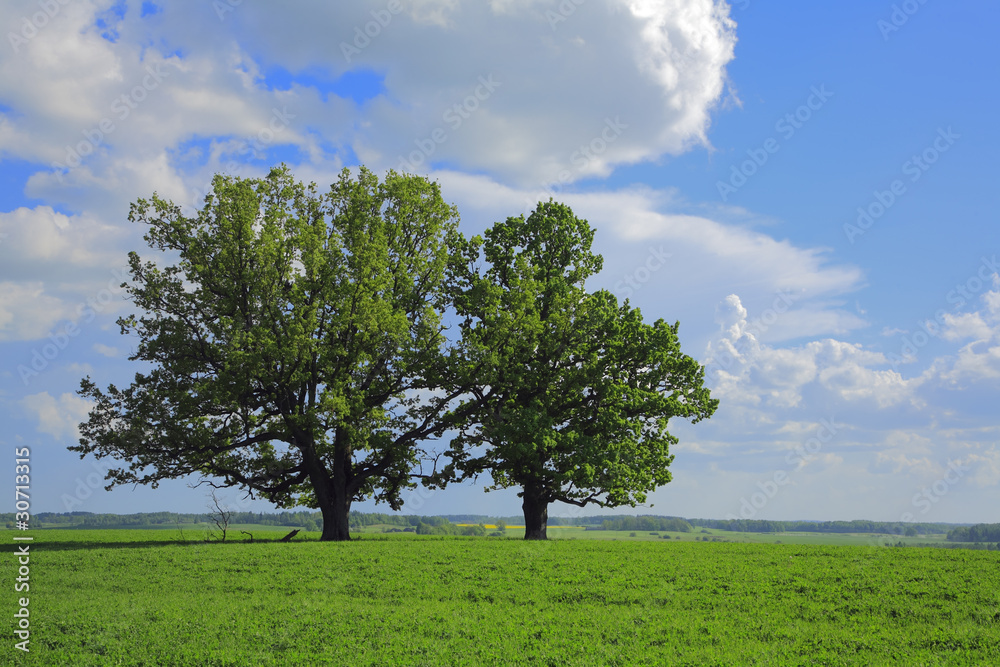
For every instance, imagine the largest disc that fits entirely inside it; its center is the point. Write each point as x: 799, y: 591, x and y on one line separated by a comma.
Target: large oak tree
x: 574, y: 390
x: 294, y: 347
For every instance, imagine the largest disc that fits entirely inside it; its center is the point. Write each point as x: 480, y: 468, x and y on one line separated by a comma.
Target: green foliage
x: 981, y: 532
x: 479, y: 530
x: 647, y: 523
x: 576, y: 390
x: 433, y: 529
x: 443, y: 601
x: 289, y: 343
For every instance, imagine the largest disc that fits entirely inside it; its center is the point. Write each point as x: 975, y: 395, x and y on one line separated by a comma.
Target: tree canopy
x: 576, y: 391
x: 294, y: 344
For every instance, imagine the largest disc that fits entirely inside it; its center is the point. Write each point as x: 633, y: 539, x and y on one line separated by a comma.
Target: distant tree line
x: 591, y: 520
x: 981, y: 532
x: 741, y: 525
x: 446, y: 522
x: 440, y: 526
x: 432, y: 525
x: 646, y: 523
x: 856, y: 526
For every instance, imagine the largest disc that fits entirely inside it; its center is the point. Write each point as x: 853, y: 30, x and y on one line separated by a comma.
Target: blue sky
x: 807, y: 187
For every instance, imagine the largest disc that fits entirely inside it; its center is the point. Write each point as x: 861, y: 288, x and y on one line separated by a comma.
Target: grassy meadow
x: 145, y: 597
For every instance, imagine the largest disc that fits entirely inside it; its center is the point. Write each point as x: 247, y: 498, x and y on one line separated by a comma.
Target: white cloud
x: 79, y: 369
x: 731, y: 317
x: 60, y: 417
x: 966, y: 325
x: 106, y: 350
x: 438, y: 12
x: 975, y: 361
x: 63, y: 76
x: 986, y: 467
x: 613, y: 83
x: 656, y: 67
x: 980, y: 359
x: 27, y: 313
x: 908, y: 452
x: 752, y: 373
x: 763, y: 258
x: 848, y: 373
x: 896, y: 436
x: 54, y: 267
x: 43, y: 243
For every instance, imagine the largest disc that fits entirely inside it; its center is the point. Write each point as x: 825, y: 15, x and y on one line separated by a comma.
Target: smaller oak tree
x: 574, y: 390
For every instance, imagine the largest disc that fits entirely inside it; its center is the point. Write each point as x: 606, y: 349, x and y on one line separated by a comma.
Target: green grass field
x: 120, y: 597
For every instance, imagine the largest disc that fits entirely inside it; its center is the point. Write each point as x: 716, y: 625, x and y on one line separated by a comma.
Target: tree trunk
x: 536, y: 512
x: 336, y: 516
x: 332, y: 496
